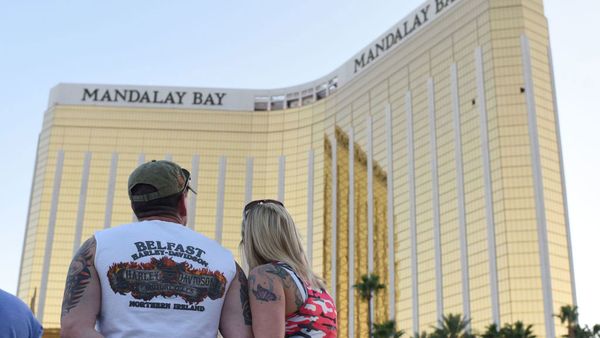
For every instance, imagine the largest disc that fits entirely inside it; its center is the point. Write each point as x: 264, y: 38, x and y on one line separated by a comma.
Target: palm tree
x: 582, y: 332
x: 452, y: 326
x: 423, y: 334
x: 492, y: 331
x: 586, y: 332
x: 570, y: 315
x: 367, y: 288
x: 517, y: 330
x: 386, y: 330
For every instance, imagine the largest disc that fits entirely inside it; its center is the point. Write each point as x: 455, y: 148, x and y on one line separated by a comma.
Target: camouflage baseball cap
x: 167, y: 177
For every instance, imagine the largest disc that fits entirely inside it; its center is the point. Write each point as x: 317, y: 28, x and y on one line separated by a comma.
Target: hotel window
x: 277, y: 102
x: 333, y: 84
x: 261, y: 103
x: 292, y: 100
x: 321, y: 91
x: 307, y: 96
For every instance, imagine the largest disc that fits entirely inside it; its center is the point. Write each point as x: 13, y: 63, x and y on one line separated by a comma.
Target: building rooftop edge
x: 149, y: 96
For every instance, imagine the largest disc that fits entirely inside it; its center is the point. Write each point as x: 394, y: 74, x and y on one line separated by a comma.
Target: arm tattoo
x: 298, y: 298
x: 265, y: 295
x: 78, y: 276
x: 277, y: 271
x: 261, y: 293
x: 287, y: 282
x: 244, y: 295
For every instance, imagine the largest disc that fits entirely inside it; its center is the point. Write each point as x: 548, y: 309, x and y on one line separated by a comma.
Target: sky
x: 257, y: 44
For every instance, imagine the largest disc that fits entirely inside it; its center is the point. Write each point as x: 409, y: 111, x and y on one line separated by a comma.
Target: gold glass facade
x: 360, y: 264
x: 478, y: 205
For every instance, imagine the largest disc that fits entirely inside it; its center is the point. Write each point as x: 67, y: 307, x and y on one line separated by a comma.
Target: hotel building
x: 431, y: 157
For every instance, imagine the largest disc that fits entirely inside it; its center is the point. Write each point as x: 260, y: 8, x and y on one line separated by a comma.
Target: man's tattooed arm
x: 244, y: 295
x: 82, y: 298
x: 79, y: 275
x: 236, y: 318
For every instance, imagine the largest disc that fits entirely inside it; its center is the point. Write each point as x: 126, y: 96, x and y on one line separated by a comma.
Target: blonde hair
x: 270, y: 235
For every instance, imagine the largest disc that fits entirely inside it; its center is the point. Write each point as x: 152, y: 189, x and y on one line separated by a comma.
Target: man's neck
x: 166, y: 218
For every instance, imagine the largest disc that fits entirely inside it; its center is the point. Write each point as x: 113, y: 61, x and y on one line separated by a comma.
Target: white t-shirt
x: 161, y: 279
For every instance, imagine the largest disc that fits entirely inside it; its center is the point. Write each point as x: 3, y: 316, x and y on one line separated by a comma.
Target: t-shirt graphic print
x: 167, y: 278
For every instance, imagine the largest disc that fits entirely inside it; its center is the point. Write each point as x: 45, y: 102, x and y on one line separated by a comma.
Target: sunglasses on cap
x: 188, y: 180
x: 252, y: 204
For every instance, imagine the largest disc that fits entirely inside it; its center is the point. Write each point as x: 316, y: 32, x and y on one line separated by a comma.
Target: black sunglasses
x: 252, y: 204
x: 188, y: 180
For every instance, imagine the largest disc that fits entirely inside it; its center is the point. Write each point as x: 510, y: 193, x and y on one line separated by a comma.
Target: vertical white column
x: 249, y: 180
x: 370, y: 217
x: 412, y: 211
x: 435, y: 199
x: 370, y: 200
x: 220, y: 199
x: 351, y: 244
x: 390, y: 214
x: 538, y: 188
x: 563, y: 181
x: 487, y: 177
x: 333, y: 216
x: 141, y: 160
x: 85, y: 173
x: 309, y: 205
x: 191, y: 216
x: 110, y: 191
x: 460, y: 194
x: 169, y: 157
x: 281, y: 185
x: 60, y: 156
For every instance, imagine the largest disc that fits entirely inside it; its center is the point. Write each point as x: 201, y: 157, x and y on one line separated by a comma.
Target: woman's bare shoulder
x: 271, y: 271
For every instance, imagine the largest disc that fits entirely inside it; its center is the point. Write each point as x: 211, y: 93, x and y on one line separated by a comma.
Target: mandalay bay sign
x: 244, y: 99
x: 152, y: 96
x: 401, y: 31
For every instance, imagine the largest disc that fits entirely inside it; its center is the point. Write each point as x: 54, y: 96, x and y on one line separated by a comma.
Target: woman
x: 286, y: 298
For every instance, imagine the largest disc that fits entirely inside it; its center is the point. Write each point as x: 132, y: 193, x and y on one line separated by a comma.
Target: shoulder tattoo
x: 264, y: 290
x: 287, y: 282
x: 264, y: 294
x: 79, y: 275
x: 244, y: 300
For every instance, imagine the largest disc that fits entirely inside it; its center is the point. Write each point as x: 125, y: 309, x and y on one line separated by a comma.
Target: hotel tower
x: 431, y: 158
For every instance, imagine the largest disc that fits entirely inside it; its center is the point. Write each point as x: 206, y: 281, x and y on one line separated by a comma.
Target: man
x: 155, y: 277
x: 16, y: 320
